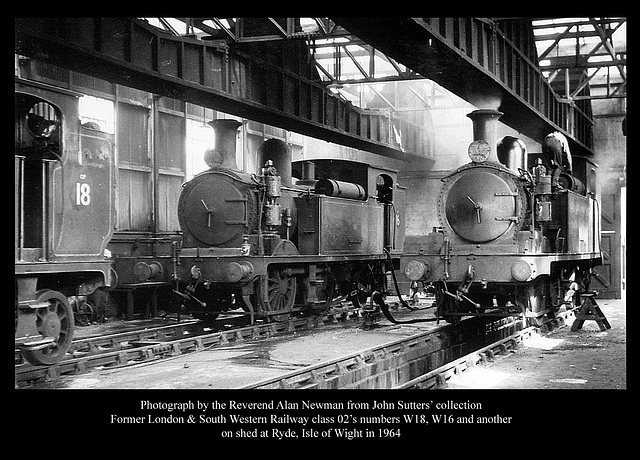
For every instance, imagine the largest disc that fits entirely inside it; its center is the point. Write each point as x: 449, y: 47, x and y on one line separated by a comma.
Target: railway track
x: 437, y: 378
x: 402, y: 363
x: 425, y: 360
x: 155, y: 343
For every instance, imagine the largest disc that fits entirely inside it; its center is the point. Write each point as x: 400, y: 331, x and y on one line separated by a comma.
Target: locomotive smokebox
x: 223, y: 156
x: 280, y: 154
x: 485, y: 127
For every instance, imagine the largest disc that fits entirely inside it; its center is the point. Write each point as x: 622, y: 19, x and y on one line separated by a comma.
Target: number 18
x: 83, y: 194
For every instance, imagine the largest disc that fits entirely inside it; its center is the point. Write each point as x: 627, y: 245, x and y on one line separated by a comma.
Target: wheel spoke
x: 276, y: 293
x: 54, y: 320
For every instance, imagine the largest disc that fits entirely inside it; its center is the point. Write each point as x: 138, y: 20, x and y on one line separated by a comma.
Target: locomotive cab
x: 63, y: 185
x: 38, y: 147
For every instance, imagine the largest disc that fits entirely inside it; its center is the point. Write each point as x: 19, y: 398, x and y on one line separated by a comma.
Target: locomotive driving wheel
x: 55, y: 320
x: 276, y: 293
x: 362, y: 279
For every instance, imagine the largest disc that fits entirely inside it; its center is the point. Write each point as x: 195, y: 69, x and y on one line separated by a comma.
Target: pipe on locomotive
x: 223, y: 155
x: 512, y: 153
x: 485, y: 128
x: 508, y: 151
x: 331, y: 187
x: 308, y: 175
x: 280, y: 155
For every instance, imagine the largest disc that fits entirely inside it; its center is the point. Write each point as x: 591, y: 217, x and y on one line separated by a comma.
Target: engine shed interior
x: 350, y: 103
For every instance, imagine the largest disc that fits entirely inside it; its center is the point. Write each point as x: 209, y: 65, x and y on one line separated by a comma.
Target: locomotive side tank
x: 508, y: 239
x: 63, y: 217
x: 261, y: 243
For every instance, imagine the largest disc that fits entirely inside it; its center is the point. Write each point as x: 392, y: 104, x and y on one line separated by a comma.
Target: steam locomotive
x: 63, y: 217
x: 259, y: 242
x: 264, y: 243
x: 510, y: 238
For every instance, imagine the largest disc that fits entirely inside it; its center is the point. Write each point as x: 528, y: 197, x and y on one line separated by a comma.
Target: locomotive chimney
x: 485, y: 127
x: 224, y: 154
x: 280, y: 154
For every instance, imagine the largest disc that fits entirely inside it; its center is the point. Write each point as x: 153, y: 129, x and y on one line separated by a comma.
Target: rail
x: 152, y: 344
x: 420, y: 361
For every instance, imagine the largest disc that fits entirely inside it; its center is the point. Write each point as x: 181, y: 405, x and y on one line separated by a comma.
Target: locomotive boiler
x: 265, y: 244
x: 508, y: 241
x: 63, y: 217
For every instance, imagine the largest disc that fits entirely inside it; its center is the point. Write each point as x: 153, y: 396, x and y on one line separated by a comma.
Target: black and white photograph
x: 423, y: 219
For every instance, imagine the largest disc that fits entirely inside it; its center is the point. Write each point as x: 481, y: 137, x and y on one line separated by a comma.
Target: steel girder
x: 472, y: 58
x: 132, y: 53
x: 583, y: 51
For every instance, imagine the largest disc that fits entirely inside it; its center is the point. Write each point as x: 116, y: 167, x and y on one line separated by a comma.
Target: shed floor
x: 584, y: 359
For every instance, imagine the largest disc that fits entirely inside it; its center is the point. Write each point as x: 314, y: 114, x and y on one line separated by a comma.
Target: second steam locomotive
x: 264, y: 243
x: 520, y: 238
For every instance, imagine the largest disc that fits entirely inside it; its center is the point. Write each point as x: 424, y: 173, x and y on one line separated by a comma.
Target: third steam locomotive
x: 517, y: 233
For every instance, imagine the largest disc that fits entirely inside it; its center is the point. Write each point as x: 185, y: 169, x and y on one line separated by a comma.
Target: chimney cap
x: 226, y: 122
x: 485, y: 112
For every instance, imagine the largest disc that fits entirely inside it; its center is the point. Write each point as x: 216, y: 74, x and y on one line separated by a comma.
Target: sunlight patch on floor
x: 542, y: 343
x: 478, y: 378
